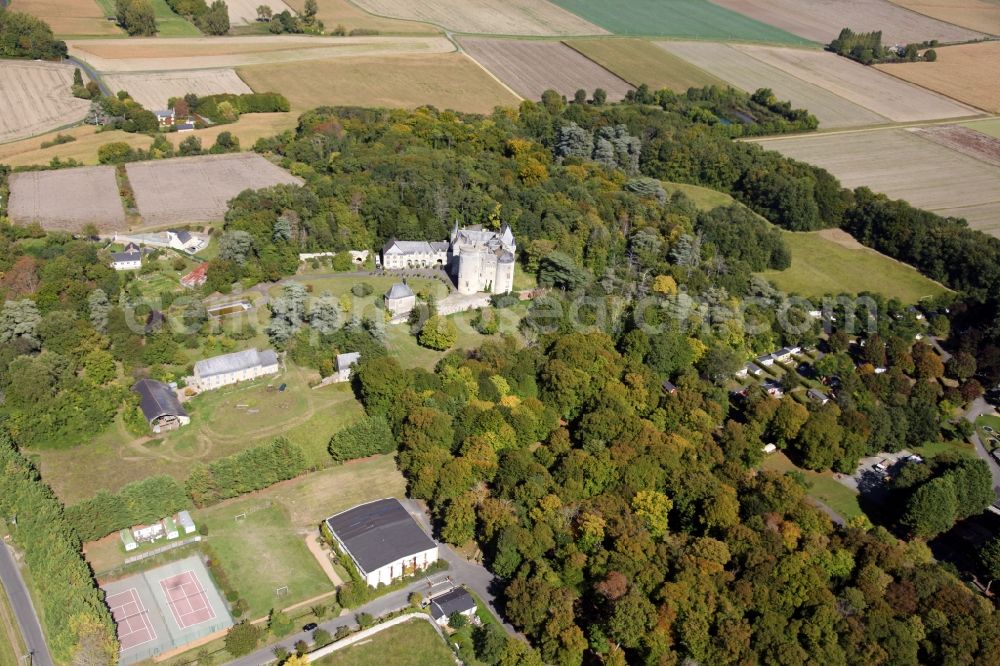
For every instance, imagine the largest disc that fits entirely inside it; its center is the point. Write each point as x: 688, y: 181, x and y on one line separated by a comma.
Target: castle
x: 478, y: 260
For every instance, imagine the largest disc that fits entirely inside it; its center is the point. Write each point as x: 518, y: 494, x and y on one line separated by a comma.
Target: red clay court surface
x: 187, y: 600
x: 132, y: 618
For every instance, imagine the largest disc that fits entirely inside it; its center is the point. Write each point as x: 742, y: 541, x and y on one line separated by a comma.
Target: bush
x: 368, y: 436
x: 352, y: 594
x: 242, y: 638
x: 362, y: 289
x: 278, y: 623
x: 364, y: 620
x: 321, y: 637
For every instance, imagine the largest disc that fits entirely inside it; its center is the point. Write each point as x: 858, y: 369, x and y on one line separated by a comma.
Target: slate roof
x: 379, y: 533
x: 399, y: 290
x: 182, y: 236
x: 156, y: 399
x: 414, y: 247
x: 242, y: 360
x: 119, y: 257
x: 457, y: 600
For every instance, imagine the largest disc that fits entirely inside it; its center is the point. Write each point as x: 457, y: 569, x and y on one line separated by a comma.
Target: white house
x: 170, y: 528
x: 397, y: 254
x: 186, y: 522
x: 344, y: 364
x: 213, y: 373
x: 383, y: 541
x: 765, y: 360
x: 400, y: 299
x: 185, y: 241
x: 127, y: 540
x: 457, y: 600
x: 130, y: 259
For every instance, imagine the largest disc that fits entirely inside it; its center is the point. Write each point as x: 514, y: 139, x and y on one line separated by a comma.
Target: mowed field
x: 906, y: 166
x: 343, y: 12
x: 447, y: 80
x: 491, y: 17
x: 638, y: 61
x: 684, y: 19
x: 35, y: 97
x: 832, y: 262
x: 198, y: 189
x: 69, y: 17
x: 67, y: 199
x: 968, y: 72
x: 822, y: 20
x: 154, y: 55
x: 153, y: 89
x: 413, y: 643
x: 532, y: 67
x: 981, y: 15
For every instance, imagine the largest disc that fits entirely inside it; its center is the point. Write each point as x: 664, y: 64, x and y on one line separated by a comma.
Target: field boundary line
x: 870, y: 128
x: 488, y: 72
x: 606, y: 69
x: 938, y: 92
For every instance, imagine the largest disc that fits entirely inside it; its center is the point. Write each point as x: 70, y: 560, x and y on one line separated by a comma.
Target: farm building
x: 400, y: 299
x: 218, y: 371
x: 130, y: 259
x: 197, y: 277
x: 344, y: 364
x: 457, y: 600
x: 186, y: 522
x: 160, y: 406
x: 382, y: 540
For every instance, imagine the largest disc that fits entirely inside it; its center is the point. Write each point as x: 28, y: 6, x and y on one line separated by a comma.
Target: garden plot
x: 198, y: 189
x: 532, y: 67
x: 906, y: 166
x: 969, y: 73
x: 822, y: 20
x: 153, y: 89
x: 67, y: 199
x: 35, y: 97
x: 491, y: 17
x: 749, y: 74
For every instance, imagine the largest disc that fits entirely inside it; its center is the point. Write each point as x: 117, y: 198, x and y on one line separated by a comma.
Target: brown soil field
x: 35, y: 97
x: 198, y: 189
x: 969, y: 73
x: 67, y: 199
x: 982, y: 15
x: 343, y: 12
x: 896, y: 100
x: 638, y: 61
x: 153, y: 55
x: 741, y: 71
x: 905, y: 165
x: 244, y: 12
x: 964, y: 140
x: 532, y: 67
x: 447, y: 80
x: 69, y: 17
x: 153, y: 89
x: 822, y: 20
x: 490, y: 17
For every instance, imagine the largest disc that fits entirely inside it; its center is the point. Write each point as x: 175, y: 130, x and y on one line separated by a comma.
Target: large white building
x: 383, y: 541
x: 218, y: 371
x: 478, y: 259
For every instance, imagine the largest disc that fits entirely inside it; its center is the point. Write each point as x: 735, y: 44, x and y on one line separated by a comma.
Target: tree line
x: 140, y: 502
x: 24, y: 36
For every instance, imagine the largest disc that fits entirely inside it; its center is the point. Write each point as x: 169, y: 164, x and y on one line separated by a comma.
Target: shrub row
x: 245, y: 472
x: 140, y: 502
x: 209, y: 106
x: 367, y: 437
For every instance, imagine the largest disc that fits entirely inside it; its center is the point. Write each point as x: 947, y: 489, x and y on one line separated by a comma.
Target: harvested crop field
x: 532, y: 67
x: 151, y: 55
x: 969, y: 73
x: 447, y: 80
x: 153, y: 89
x: 904, y: 165
x: 637, y: 61
x: 747, y: 73
x: 67, y: 199
x: 344, y: 12
x: 684, y: 19
x: 244, y: 12
x: 822, y: 20
x: 990, y: 126
x: 198, y: 189
x: 490, y: 17
x: 69, y: 17
x: 35, y: 97
x: 982, y: 15
x: 964, y: 140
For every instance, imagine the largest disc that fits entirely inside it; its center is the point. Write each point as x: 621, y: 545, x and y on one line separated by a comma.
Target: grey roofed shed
x: 156, y: 399
x: 379, y: 533
x: 248, y: 358
x: 457, y: 600
x: 399, y: 290
x: 345, y: 361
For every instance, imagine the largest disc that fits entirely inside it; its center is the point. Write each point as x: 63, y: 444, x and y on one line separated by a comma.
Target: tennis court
x: 165, y: 608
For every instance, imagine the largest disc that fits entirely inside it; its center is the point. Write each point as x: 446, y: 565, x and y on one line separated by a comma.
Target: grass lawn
x: 703, y: 197
x: 688, y: 19
x: 11, y: 643
x: 989, y: 126
x: 171, y: 24
x: 637, y: 61
x: 821, y: 485
x: 937, y: 448
x: 985, y: 436
x: 413, y: 643
x: 822, y: 265
x: 340, y: 285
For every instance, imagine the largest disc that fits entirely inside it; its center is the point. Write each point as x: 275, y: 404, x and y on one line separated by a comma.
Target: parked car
x: 310, y: 627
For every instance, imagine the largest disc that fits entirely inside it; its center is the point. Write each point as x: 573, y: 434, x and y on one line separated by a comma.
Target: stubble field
x: 982, y: 15
x: 198, y: 189
x: 638, y: 61
x: 822, y: 20
x: 343, y: 12
x: 35, y: 97
x: 532, y: 67
x: 244, y: 12
x: 906, y: 166
x: 153, y: 89
x: 491, y: 17
x: 968, y: 141
x: 69, y: 17
x: 67, y: 199
x: 447, y: 80
x: 969, y: 73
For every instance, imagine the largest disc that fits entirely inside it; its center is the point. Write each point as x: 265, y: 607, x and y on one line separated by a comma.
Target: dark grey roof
x: 182, y: 236
x: 125, y: 256
x: 157, y: 399
x: 379, y: 533
x: 457, y: 600
x: 234, y: 362
x: 399, y: 290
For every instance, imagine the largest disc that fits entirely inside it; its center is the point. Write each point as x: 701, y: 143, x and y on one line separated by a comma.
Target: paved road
x: 20, y: 601
x: 978, y: 408
x: 91, y: 74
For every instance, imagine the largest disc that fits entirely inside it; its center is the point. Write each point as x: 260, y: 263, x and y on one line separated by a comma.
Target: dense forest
x: 24, y: 36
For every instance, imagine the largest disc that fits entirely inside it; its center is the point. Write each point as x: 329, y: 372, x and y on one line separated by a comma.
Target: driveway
x: 977, y: 409
x: 20, y: 601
